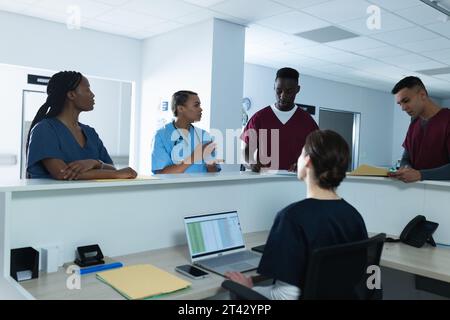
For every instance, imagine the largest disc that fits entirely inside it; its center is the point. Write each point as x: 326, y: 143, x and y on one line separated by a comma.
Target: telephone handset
x: 417, y: 232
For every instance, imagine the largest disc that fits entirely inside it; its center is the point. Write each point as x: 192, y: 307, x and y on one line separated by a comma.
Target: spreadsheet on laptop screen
x: 214, y: 233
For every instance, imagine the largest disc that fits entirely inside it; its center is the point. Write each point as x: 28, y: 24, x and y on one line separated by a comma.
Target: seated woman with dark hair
x: 322, y: 220
x: 60, y: 147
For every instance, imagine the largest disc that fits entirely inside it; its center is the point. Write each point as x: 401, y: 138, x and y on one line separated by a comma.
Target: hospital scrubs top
x: 170, y: 147
x: 429, y: 146
x: 301, y: 228
x: 292, y: 135
x: 51, y: 139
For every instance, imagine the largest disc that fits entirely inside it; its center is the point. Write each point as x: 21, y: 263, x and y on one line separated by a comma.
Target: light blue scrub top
x: 170, y: 148
x: 50, y: 138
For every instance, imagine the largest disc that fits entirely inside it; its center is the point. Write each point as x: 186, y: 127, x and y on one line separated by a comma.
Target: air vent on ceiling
x: 327, y: 34
x: 434, y: 72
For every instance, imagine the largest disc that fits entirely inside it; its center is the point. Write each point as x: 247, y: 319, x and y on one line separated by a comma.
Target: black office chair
x: 338, y: 272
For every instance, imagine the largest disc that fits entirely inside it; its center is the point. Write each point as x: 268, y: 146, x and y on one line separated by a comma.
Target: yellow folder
x: 366, y: 170
x: 142, y: 281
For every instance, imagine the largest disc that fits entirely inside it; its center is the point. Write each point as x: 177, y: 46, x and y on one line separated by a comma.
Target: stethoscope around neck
x: 183, y: 138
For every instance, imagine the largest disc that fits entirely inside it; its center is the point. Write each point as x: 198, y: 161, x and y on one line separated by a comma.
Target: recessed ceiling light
x: 327, y: 34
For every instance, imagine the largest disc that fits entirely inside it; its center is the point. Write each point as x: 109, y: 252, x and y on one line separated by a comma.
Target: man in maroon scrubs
x: 274, y: 137
x: 427, y: 143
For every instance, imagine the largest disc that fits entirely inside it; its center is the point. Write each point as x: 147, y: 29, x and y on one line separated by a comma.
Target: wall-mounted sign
x: 39, y: 80
x: 165, y: 106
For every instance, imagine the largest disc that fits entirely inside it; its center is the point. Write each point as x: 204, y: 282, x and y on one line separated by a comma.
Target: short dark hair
x: 180, y: 98
x: 409, y: 82
x: 330, y: 155
x: 287, y: 73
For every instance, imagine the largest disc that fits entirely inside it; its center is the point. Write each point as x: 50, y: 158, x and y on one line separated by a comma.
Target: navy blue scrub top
x: 51, y: 139
x: 301, y: 228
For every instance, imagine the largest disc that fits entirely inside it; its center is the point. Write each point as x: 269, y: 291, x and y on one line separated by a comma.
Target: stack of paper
x: 142, y: 281
x: 366, y: 170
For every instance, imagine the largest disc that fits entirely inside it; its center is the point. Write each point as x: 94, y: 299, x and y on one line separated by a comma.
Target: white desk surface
x: 428, y: 262
x: 48, y: 185
x: 53, y: 286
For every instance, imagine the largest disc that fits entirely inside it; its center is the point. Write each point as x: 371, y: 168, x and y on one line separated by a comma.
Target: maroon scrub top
x: 429, y: 146
x: 292, y: 135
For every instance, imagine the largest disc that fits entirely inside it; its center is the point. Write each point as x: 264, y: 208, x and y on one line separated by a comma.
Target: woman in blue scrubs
x: 179, y: 147
x: 60, y: 147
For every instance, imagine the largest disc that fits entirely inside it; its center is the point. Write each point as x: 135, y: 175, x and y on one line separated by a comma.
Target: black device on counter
x: 417, y: 232
x: 191, y: 271
x: 89, y: 256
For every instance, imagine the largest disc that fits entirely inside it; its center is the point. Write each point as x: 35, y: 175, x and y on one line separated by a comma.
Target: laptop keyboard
x: 230, y: 259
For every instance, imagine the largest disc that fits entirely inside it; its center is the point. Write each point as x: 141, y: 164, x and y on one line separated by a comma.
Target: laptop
x: 216, y: 243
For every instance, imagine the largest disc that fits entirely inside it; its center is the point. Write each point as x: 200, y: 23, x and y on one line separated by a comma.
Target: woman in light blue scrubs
x: 179, y: 147
x: 60, y: 147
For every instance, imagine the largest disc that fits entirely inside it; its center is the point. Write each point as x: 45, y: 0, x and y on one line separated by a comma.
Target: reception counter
x: 126, y: 217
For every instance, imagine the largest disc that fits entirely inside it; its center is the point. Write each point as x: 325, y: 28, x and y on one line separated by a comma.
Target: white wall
x: 178, y: 60
x: 41, y: 44
x: 376, y: 107
x: 227, y: 88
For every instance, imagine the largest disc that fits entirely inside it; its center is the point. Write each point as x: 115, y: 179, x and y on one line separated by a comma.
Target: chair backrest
x: 341, y: 272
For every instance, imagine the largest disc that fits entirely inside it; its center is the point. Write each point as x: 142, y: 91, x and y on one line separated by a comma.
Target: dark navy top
x: 51, y: 139
x: 303, y: 227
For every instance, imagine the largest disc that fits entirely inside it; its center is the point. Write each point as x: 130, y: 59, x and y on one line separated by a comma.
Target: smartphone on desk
x: 192, y: 272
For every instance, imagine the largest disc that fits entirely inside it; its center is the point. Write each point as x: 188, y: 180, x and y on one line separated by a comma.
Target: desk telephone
x: 417, y: 232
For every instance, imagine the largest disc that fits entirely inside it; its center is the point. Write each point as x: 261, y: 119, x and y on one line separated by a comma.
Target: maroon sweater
x: 429, y: 146
x: 292, y: 135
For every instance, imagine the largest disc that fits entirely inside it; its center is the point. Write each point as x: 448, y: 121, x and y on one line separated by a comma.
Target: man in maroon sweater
x: 274, y: 137
x: 427, y: 143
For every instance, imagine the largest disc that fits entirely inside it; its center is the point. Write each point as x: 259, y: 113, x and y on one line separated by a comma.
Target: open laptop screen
x: 213, y: 234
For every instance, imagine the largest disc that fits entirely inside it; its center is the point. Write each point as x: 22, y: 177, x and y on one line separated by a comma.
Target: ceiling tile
x: 129, y: 18
x: 423, y: 66
x: 250, y: 10
x: 405, y: 60
x: 389, y: 22
x: 165, y: 9
x: 342, y: 57
x: 45, y: 14
x: 293, y: 22
x: 445, y: 77
x: 442, y: 28
x: 405, y: 35
x: 300, y: 4
x: 357, y: 44
x: 164, y: 27
x: 108, y: 27
x: 206, y: 14
x: 339, y: 10
x: 88, y: 9
x: 427, y: 45
x: 439, y: 55
x: 421, y: 14
x: 327, y: 34
x: 197, y: 16
x: 114, y: 3
x: 12, y: 6
x: 383, y: 52
x: 274, y: 39
x: 395, y: 5
x: 204, y: 3
x: 317, y: 51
